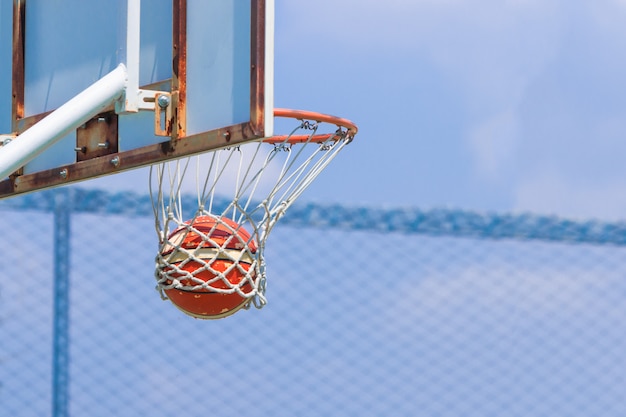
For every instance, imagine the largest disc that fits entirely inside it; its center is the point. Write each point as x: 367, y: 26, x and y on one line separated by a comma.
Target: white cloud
x: 512, y: 280
x: 493, y: 143
x: 551, y: 193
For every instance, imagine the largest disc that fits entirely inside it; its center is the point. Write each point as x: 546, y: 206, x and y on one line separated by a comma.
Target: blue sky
x: 490, y: 105
x: 487, y: 105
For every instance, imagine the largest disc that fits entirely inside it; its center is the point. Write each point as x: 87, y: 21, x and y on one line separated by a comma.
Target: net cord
x: 294, y: 174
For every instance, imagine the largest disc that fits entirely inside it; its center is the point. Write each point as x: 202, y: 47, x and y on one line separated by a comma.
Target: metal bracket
x: 97, y: 137
x: 160, y: 102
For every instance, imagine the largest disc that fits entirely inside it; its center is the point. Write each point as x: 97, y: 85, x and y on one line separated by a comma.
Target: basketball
x: 212, y: 250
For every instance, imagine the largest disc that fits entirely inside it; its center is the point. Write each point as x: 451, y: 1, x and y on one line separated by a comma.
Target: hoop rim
x: 341, y: 123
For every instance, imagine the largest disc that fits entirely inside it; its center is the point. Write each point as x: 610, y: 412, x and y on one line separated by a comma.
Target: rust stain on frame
x: 257, y: 67
x: 179, y: 68
x: 19, y: 19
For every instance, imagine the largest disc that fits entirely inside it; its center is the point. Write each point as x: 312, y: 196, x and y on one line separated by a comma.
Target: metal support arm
x: 87, y: 104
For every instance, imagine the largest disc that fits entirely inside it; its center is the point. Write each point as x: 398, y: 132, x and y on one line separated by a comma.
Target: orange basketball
x: 222, y: 250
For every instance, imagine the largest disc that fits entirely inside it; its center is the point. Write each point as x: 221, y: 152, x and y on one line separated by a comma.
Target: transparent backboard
x: 212, y: 58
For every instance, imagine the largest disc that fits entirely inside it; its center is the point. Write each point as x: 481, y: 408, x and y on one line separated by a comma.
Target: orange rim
x: 345, y: 125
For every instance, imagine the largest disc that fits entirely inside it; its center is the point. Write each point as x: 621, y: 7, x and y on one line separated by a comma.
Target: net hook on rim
x: 347, y: 127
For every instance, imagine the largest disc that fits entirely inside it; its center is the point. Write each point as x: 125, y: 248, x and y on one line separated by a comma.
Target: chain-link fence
x: 371, y: 313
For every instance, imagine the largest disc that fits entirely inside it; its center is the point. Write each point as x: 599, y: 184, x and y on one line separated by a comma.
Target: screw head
x: 163, y: 101
x: 63, y: 173
x: 115, y: 161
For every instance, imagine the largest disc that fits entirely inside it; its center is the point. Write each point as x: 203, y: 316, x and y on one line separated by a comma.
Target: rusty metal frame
x: 19, y: 20
x: 179, y: 144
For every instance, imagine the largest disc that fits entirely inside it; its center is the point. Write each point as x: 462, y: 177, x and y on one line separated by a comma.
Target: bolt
x: 81, y: 149
x: 226, y: 136
x: 115, y: 161
x: 104, y: 145
x: 163, y: 101
x: 63, y: 174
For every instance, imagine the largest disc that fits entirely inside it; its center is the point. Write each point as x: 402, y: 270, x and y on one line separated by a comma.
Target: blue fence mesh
x: 371, y: 312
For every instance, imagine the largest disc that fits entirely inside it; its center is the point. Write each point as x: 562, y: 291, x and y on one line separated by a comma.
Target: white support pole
x: 132, y: 101
x: 62, y: 121
x: 135, y: 99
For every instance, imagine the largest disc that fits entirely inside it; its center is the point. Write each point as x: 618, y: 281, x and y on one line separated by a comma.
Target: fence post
x: 60, y: 356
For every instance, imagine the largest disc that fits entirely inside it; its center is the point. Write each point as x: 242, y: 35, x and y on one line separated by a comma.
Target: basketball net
x: 252, y: 185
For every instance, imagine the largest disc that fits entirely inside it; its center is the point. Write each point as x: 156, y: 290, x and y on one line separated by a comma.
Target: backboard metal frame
x: 92, y: 161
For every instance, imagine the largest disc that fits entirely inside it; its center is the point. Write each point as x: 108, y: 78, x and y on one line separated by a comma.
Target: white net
x: 213, y: 245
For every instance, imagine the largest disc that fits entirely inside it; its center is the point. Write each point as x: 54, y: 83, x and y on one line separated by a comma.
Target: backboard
x: 204, y: 73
